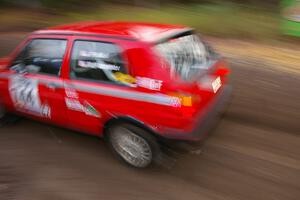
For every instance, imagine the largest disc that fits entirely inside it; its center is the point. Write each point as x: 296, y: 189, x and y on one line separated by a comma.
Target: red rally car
x: 132, y: 83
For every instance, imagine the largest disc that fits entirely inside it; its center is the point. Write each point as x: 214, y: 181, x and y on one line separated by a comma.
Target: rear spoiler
x: 174, y: 33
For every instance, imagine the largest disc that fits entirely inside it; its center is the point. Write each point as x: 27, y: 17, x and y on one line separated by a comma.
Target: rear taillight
x: 185, y: 100
x: 222, y: 72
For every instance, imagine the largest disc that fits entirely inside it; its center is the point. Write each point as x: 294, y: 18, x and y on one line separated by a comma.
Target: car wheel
x: 2, y: 114
x: 2, y: 111
x: 133, y: 145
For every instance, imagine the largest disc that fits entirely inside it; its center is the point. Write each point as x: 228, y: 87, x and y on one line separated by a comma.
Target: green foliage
x: 220, y: 19
x: 63, y: 4
x: 224, y: 20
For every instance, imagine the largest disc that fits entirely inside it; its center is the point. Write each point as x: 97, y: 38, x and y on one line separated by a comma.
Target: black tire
x: 2, y: 114
x: 133, y: 145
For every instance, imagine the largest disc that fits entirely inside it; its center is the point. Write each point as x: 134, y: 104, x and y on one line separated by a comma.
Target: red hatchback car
x: 133, y: 83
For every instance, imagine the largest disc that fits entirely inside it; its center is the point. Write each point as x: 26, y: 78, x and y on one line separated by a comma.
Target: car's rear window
x: 97, y: 61
x: 187, y: 55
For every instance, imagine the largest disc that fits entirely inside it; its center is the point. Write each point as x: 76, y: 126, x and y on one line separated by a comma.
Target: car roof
x: 149, y: 32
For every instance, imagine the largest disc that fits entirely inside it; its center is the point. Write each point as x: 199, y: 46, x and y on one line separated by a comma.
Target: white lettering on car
x: 93, y: 54
x: 87, y: 108
x: 149, y: 83
x: 216, y: 84
x: 24, y: 93
x: 71, y: 92
x: 95, y: 65
x: 74, y: 104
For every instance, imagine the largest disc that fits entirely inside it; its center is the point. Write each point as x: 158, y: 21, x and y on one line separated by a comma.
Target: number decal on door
x: 24, y: 93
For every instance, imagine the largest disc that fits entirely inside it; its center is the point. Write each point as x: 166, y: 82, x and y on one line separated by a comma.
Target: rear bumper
x: 204, y: 120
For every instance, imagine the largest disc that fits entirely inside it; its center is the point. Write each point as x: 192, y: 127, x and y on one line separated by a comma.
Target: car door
x: 34, y: 84
x: 93, y: 70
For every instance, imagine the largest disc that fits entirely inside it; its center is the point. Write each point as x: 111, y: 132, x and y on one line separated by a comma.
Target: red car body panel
x: 154, y: 110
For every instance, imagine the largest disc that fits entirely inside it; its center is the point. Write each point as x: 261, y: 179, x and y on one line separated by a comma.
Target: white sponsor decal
x: 88, y: 109
x: 149, y: 83
x: 95, y: 65
x: 216, y: 84
x: 176, y: 102
x: 93, y: 54
x: 71, y: 92
x: 25, y: 96
x: 74, y: 104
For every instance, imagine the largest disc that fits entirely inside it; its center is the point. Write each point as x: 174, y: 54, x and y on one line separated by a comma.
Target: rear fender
x: 130, y: 120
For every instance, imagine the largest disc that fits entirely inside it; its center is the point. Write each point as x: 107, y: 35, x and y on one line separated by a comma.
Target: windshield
x: 188, y: 56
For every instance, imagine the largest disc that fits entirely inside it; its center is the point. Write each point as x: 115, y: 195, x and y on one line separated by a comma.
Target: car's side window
x: 98, y: 61
x: 41, y: 56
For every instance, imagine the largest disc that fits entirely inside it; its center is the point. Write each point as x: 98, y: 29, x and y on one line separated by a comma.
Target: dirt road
x: 254, y: 152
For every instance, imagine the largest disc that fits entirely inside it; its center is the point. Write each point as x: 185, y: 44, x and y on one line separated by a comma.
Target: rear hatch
x: 188, y: 56
x: 199, y: 67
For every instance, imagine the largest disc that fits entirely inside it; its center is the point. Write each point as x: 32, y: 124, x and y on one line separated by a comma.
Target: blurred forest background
x: 247, y: 19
